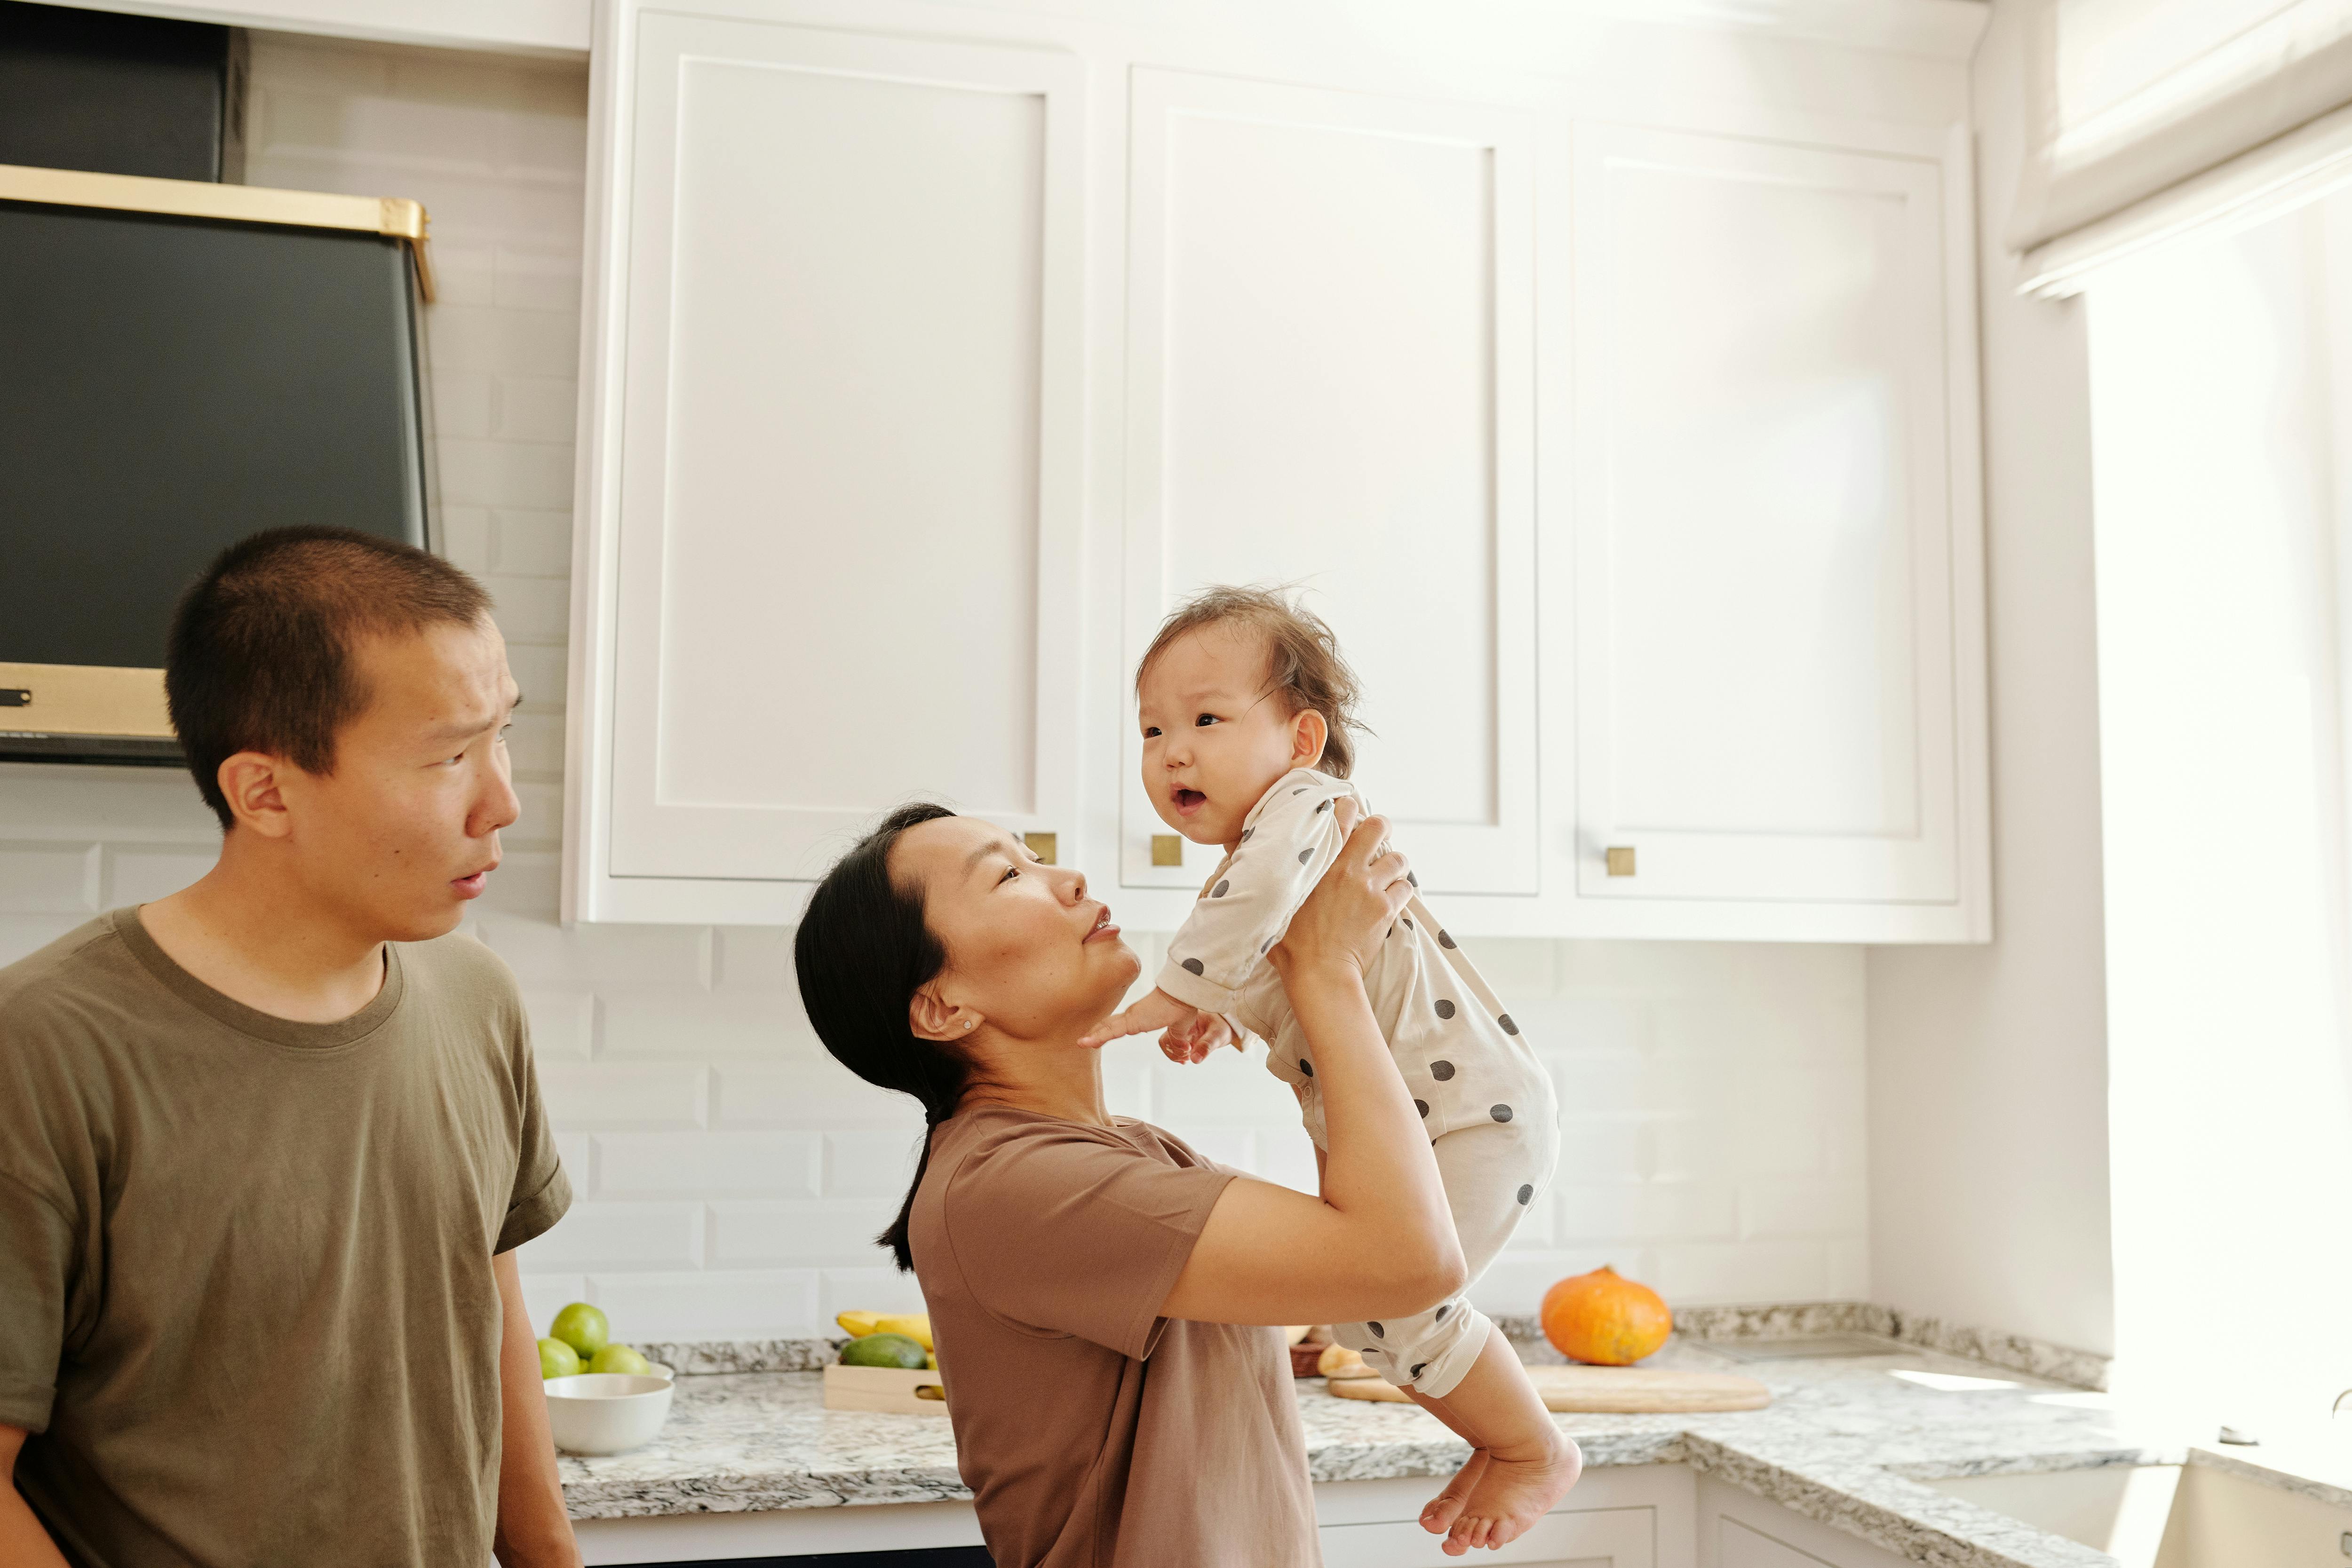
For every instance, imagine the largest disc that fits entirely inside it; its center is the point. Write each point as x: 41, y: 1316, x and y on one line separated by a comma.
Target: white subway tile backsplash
x: 1706, y: 1271
x: 667, y: 1022
x: 504, y: 473
x: 140, y: 875
x: 817, y: 1094
x: 463, y: 534
x: 533, y: 544
x: 870, y: 1164
x: 595, y: 1234
x: 747, y: 1234
x: 727, y: 1303
x: 562, y: 1024
x: 708, y: 1164
x: 624, y: 1095
x: 531, y: 608
x: 1644, y: 1211
x: 50, y: 878
x: 544, y: 674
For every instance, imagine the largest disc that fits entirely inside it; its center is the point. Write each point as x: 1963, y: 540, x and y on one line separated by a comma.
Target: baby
x: 1247, y: 707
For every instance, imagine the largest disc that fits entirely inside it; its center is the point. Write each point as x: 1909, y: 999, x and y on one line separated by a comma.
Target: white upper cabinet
x: 1330, y: 342
x: 840, y: 442
x: 1608, y: 386
x: 1777, y: 614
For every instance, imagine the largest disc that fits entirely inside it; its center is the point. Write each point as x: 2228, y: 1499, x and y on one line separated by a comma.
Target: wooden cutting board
x: 1625, y: 1390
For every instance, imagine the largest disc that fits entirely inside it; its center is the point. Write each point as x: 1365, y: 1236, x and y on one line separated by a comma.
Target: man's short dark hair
x: 260, y: 657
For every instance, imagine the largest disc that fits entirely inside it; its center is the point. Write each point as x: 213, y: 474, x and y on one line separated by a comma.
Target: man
x: 268, y: 1145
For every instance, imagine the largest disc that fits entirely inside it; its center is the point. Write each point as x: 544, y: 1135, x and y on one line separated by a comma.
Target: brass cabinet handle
x: 1620, y: 860
x: 1166, y: 849
x: 1043, y: 845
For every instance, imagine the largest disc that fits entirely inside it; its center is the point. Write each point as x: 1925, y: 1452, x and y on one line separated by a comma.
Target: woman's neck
x: 1064, y: 1082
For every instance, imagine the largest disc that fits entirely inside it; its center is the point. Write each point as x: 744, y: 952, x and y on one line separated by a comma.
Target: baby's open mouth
x: 1189, y: 800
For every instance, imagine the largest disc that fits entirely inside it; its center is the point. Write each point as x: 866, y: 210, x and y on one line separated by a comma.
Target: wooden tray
x: 917, y: 1393
x: 1624, y: 1390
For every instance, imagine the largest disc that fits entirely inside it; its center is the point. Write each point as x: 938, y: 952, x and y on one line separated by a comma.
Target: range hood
x: 186, y: 363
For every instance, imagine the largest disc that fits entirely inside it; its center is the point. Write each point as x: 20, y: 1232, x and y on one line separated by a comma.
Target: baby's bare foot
x: 1519, y: 1486
x: 1446, y: 1506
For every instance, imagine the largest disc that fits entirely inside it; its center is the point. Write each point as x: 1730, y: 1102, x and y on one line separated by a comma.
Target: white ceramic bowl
x: 607, y: 1412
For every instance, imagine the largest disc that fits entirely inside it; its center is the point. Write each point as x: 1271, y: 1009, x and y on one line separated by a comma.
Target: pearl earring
x: 969, y: 1022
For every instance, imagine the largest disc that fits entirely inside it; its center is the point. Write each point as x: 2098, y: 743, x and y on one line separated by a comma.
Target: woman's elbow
x: 1420, y: 1282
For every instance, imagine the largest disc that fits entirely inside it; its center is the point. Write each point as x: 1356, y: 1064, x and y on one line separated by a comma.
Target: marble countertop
x: 1844, y: 1442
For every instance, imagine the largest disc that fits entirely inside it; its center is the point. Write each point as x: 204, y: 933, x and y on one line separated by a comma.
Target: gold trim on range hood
x: 389, y: 215
x: 83, y: 700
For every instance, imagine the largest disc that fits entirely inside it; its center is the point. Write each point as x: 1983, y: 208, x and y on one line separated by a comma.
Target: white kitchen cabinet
x: 1740, y: 1530
x: 1329, y: 356
x: 1778, y: 613
x: 1636, y: 1517
x: 832, y: 492
x: 1623, y: 427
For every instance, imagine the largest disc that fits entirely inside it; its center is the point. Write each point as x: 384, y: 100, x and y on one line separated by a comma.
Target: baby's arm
x: 1192, y: 1033
x: 1296, y: 835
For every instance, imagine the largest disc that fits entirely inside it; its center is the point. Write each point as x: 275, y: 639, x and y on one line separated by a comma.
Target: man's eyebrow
x: 458, y: 728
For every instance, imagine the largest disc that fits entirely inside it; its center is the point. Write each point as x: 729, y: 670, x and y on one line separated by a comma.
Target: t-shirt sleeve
x: 1292, y: 839
x: 1077, y: 1232
x: 36, y: 1258
x: 541, y: 1191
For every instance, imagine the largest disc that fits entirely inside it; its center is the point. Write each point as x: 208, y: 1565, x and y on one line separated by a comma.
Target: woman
x: 1094, y: 1284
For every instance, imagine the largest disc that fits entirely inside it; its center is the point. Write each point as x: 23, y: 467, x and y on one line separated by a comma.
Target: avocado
x: 883, y: 1349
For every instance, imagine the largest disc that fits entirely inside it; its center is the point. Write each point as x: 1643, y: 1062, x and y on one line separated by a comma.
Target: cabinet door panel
x: 1766, y: 674
x: 848, y: 526
x: 1582, y: 1538
x: 1329, y: 341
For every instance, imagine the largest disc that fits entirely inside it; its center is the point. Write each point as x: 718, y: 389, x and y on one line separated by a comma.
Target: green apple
x: 620, y: 1358
x: 557, y: 1359
x: 582, y: 1327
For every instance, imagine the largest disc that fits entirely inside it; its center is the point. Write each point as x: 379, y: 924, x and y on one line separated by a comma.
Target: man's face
x: 405, y: 830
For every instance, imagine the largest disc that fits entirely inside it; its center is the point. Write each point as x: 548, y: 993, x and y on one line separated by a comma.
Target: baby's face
x: 1214, y: 739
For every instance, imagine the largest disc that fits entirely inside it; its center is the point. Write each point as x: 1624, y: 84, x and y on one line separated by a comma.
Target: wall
x: 730, y: 1174
x: 2222, y: 368
x: 1988, y: 1065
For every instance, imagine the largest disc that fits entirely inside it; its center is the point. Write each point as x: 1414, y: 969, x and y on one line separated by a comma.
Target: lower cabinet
x: 1640, y: 1515
x: 1740, y: 1530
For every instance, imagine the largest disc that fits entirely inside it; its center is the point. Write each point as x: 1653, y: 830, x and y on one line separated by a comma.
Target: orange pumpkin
x: 1605, y: 1319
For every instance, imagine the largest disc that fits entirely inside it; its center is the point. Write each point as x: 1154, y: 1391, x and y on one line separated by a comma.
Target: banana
x: 857, y: 1325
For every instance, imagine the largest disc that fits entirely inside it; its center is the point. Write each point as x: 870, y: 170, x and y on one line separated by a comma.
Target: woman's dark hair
x: 862, y: 952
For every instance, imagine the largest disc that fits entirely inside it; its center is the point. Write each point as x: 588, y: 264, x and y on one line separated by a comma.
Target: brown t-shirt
x: 246, y: 1304
x: 1093, y: 1432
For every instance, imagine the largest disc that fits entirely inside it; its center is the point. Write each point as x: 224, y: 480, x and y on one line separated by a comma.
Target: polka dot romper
x: 1488, y: 1104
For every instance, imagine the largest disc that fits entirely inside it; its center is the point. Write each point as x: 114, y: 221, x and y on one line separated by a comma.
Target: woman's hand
x: 1348, y: 915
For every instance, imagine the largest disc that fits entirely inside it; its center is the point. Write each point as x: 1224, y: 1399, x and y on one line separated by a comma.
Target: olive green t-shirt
x: 246, y: 1304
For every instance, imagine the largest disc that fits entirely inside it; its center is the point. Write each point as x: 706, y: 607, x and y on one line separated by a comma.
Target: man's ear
x: 249, y: 782
x: 1309, y: 736
x: 932, y: 1016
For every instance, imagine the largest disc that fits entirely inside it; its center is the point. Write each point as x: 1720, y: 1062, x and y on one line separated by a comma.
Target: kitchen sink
x: 2170, y: 1516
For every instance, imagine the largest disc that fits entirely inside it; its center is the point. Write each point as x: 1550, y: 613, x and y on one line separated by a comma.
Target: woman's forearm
x: 1379, y: 1172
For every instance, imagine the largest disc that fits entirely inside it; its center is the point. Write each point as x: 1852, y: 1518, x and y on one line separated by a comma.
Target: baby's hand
x: 1191, y: 1040
x: 1191, y: 1033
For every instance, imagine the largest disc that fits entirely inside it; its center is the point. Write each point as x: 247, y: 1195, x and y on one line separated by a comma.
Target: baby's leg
x: 1521, y: 1465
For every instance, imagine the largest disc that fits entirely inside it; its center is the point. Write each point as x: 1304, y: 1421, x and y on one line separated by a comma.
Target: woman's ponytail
x: 862, y: 952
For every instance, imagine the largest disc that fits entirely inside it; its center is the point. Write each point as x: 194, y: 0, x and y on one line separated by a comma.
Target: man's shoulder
x: 62, y: 975
x: 461, y: 963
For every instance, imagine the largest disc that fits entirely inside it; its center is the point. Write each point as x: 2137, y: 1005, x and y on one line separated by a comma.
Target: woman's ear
x: 1308, y: 734
x: 932, y: 1016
